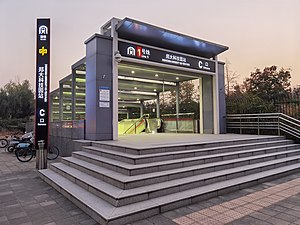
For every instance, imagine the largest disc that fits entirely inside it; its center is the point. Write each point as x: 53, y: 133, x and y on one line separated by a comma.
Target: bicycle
x: 26, y: 152
x: 6, y: 142
x: 3, y: 143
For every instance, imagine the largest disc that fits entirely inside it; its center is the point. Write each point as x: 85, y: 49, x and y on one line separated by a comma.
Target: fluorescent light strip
x: 137, y: 92
x: 146, y: 80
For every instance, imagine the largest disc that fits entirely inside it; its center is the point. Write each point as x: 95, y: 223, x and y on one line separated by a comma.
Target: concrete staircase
x: 118, y: 185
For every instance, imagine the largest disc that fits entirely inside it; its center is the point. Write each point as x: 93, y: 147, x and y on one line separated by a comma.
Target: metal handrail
x: 280, y: 122
x: 133, y: 125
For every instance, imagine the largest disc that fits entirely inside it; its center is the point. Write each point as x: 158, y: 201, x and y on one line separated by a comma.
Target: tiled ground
x: 25, y: 199
x: 276, y: 202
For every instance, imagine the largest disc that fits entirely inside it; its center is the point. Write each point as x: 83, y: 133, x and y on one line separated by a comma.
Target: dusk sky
x: 259, y: 33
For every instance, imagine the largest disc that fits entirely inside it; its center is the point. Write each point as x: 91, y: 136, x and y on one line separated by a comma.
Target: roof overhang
x: 144, y: 33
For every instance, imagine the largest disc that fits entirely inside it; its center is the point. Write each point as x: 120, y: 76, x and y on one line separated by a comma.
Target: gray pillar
x: 73, y: 95
x: 201, y: 106
x: 61, y: 101
x: 99, y: 80
x: 157, y: 106
x: 222, y: 101
x: 216, y: 110
x: 177, y: 105
x: 207, y: 105
x: 115, y: 87
x: 141, y: 110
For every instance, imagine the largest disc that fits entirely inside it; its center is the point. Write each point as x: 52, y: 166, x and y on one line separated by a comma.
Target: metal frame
x: 281, y: 123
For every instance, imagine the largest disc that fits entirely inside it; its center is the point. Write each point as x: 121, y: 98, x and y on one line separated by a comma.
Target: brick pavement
x: 26, y: 200
x: 276, y: 202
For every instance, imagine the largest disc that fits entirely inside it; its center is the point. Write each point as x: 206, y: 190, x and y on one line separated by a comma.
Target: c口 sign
x: 165, y: 57
x: 42, y: 81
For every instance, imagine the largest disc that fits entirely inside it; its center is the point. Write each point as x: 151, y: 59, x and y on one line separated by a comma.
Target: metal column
x: 216, y: 99
x: 157, y: 105
x: 114, y: 35
x: 141, y: 110
x: 73, y: 94
x: 177, y: 105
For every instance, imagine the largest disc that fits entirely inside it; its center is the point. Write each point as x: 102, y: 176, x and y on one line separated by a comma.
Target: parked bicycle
x: 25, y: 152
x: 5, y: 142
x: 13, y: 141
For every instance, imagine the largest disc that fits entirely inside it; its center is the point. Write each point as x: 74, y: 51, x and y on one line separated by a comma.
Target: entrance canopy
x: 144, y: 33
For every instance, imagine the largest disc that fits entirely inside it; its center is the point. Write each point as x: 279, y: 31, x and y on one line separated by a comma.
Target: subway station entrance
x: 139, y: 78
x: 155, y: 99
x: 136, y: 76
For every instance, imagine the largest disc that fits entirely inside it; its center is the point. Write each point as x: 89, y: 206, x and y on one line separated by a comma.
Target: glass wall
x: 79, y: 101
x: 54, y: 107
x: 66, y: 98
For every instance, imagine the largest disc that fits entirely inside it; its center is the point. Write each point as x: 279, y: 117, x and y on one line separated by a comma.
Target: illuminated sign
x: 165, y: 57
x: 42, y: 81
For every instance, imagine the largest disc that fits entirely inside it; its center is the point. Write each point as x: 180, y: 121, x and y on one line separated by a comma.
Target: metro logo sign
x: 138, y: 51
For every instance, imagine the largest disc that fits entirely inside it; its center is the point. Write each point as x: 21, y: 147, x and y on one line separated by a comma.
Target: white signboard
x: 104, y: 97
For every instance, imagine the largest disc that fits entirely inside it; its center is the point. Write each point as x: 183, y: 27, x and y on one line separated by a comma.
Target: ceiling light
x: 177, y: 78
x: 119, y: 98
x: 137, y: 99
x: 132, y: 71
x: 135, y: 88
x: 123, y: 107
x: 154, y: 90
x: 156, y: 75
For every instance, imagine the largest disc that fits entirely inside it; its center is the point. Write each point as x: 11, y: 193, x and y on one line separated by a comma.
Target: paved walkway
x: 26, y: 200
x: 276, y: 202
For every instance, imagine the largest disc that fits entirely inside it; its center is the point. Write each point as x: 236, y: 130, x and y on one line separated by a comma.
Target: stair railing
x: 269, y: 123
x: 133, y: 126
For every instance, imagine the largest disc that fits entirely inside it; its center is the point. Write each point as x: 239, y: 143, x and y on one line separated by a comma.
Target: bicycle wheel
x: 24, y: 155
x: 3, y: 143
x: 11, y: 148
x: 53, y: 153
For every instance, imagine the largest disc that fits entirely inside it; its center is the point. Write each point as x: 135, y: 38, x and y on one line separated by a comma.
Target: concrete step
x: 162, y: 156
x: 119, y: 197
x: 127, y: 148
x: 131, y: 170
x: 123, y: 181
x: 105, y: 213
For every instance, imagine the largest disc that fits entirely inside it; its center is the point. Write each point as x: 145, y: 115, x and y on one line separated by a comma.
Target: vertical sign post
x: 42, y: 82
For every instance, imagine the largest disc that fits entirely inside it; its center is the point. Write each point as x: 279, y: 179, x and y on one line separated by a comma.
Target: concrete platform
x: 144, y: 141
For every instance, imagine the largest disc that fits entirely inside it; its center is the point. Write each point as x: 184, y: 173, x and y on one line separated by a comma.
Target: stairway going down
x: 117, y: 184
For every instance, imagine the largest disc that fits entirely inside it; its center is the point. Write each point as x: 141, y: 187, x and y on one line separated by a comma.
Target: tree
x: 230, y: 78
x: 16, y: 100
x: 3, y: 104
x: 245, y: 102
x: 269, y: 84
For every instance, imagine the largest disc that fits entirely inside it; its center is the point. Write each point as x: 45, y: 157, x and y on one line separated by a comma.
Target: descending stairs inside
x: 118, y: 185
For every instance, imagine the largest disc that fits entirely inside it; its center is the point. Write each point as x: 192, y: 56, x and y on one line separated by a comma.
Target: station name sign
x: 165, y: 57
x: 42, y: 81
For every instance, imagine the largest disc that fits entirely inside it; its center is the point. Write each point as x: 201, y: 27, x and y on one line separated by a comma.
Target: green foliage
x: 247, y: 103
x: 16, y: 100
x: 269, y: 84
x: 260, y: 91
x: 13, y: 124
